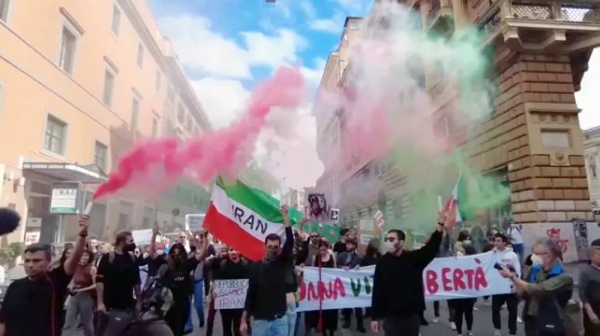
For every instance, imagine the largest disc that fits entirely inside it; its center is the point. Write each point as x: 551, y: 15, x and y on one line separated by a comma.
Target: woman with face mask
x: 327, y: 319
x: 177, y: 278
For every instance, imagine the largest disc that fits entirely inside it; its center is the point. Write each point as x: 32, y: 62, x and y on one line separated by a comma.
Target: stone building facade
x: 532, y: 141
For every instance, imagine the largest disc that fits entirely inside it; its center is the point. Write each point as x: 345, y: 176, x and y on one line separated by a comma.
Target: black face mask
x: 129, y: 247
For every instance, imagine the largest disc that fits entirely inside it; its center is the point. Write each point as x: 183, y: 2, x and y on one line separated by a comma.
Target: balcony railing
x: 565, y: 11
x: 552, y: 12
x: 436, y: 7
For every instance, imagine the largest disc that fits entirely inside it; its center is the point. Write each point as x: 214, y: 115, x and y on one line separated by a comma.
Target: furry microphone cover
x: 9, y: 221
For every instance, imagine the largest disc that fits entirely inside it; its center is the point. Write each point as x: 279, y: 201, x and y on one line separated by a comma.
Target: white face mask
x: 388, y: 247
x: 536, y: 260
x: 467, y: 242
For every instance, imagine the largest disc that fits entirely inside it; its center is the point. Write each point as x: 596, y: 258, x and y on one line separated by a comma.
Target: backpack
x: 111, y: 257
x: 156, y: 296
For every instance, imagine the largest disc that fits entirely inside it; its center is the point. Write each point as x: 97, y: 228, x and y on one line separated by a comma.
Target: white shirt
x: 508, y: 258
x: 514, y: 231
x: 2, y: 275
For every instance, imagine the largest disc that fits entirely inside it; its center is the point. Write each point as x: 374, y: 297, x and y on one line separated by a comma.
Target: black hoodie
x: 398, y: 281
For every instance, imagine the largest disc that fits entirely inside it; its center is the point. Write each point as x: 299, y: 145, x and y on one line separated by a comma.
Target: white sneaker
x: 475, y: 308
x: 470, y: 333
x: 519, y: 319
x: 452, y: 325
x: 435, y: 320
x: 497, y: 332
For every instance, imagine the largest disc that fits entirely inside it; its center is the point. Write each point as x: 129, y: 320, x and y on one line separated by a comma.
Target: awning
x: 66, y: 172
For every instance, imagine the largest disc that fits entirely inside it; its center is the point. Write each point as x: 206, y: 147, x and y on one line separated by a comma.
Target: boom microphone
x: 9, y: 221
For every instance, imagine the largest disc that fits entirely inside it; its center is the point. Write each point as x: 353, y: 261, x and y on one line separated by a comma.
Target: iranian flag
x: 453, y: 205
x: 242, y: 217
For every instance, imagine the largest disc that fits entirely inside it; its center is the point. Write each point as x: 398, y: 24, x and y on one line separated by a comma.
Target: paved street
x: 482, y: 325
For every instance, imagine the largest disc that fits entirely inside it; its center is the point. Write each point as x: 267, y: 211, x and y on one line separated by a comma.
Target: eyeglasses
x: 314, y: 236
x: 390, y: 239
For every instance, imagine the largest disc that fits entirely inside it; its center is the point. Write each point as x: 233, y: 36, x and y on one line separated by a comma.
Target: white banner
x: 443, y: 279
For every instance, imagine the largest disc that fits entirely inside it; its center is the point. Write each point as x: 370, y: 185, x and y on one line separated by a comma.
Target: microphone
x: 9, y: 221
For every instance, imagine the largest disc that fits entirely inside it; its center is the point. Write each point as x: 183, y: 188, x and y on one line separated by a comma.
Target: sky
x: 227, y: 46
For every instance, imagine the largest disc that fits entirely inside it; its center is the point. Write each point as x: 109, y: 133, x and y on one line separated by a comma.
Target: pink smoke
x: 155, y: 165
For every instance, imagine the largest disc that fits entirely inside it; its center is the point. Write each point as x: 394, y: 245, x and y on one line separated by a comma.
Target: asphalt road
x: 482, y: 325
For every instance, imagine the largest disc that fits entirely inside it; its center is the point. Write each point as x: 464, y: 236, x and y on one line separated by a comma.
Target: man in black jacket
x: 266, y: 296
x: 398, y: 298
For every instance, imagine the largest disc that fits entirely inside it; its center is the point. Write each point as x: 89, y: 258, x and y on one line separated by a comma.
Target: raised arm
x: 73, y: 260
x: 155, y: 230
x: 288, y: 246
x: 423, y: 256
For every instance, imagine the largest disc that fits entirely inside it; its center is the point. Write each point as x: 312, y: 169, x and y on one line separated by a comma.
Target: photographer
x: 546, y: 290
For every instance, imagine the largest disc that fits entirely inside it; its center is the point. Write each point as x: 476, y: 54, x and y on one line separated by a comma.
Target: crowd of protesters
x: 126, y: 290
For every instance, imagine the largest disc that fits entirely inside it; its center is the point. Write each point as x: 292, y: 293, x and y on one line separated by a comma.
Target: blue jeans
x: 189, y: 326
x: 297, y: 324
x: 519, y: 250
x: 277, y: 327
x: 199, y: 301
x: 291, y: 316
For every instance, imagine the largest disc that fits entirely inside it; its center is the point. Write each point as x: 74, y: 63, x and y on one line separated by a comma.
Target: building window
x: 592, y: 165
x: 4, y: 4
x: 135, y: 114
x: 140, y: 55
x: 181, y: 114
x: 444, y: 127
x: 100, y: 151
x: 67, y: 50
x: 154, y: 128
x: 55, y: 137
x: 116, y: 20
x: 171, y: 94
x: 109, y: 87
x: 190, y: 124
x: 158, y: 79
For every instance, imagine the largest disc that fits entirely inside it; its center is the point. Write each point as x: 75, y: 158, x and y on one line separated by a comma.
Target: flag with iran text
x: 242, y: 217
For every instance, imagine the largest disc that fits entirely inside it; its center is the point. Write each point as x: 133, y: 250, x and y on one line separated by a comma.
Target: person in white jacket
x: 510, y: 260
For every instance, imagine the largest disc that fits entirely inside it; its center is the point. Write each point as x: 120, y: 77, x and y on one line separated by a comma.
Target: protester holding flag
x: 398, y: 298
x: 266, y: 296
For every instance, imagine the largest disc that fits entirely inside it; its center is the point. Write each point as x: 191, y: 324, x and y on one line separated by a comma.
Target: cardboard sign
x: 194, y: 222
x: 230, y: 294
x: 142, y: 237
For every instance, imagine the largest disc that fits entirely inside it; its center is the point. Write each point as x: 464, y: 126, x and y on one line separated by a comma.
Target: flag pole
x: 440, y: 204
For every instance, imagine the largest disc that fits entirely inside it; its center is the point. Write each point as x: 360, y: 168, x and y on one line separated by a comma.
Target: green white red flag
x: 453, y: 205
x: 241, y: 217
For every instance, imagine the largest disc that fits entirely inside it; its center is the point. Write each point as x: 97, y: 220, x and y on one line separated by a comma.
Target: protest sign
x: 230, y: 294
x: 193, y: 222
x: 443, y: 279
x: 142, y: 237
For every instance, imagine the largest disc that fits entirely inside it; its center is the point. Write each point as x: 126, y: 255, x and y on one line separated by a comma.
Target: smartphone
x: 498, y: 266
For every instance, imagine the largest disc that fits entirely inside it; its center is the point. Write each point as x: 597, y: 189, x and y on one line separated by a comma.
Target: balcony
x: 439, y: 17
x: 543, y: 25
